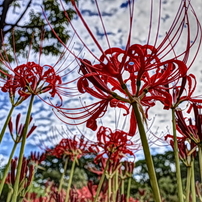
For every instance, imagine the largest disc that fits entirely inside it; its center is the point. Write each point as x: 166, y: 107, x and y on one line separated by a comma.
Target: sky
x: 116, y: 20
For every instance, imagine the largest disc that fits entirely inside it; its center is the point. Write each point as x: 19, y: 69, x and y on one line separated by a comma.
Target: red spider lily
x: 72, y: 148
x: 19, y: 128
x: 126, y: 170
x: 189, y: 129
x: 182, y: 91
x: 139, y: 73
x: 187, y: 148
x: 37, y: 157
x: 86, y: 194
x: 32, y: 78
x: 114, y: 144
x: 26, y: 175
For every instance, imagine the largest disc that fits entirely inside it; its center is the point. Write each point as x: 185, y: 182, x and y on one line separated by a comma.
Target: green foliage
x: 32, y: 26
x: 164, y: 164
x: 80, y: 177
x: 165, y: 172
x: 51, y: 169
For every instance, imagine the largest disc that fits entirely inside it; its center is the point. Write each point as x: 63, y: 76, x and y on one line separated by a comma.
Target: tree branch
x: 26, y: 26
x: 5, y: 6
x: 21, y: 16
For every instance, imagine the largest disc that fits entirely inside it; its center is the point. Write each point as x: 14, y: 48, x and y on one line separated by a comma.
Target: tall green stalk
x: 63, y: 174
x: 200, y: 160
x: 193, y: 188
x: 70, y: 179
x: 110, y: 186
x: 128, y: 189
x: 147, y: 154
x: 188, y: 184
x: 6, y: 122
x: 177, y: 162
x: 122, y: 185
x: 10, y: 192
x: 22, y: 148
x: 115, y: 184
x: 7, y: 167
x: 101, y: 182
x: 144, y: 141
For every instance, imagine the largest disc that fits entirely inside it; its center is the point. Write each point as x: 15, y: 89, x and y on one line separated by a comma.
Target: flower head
x: 32, y: 78
x: 138, y: 73
x: 26, y: 175
x: 71, y: 147
x: 182, y: 91
x: 115, y: 145
x: 188, y: 128
x: 186, y: 148
x: 23, y: 79
x: 19, y: 129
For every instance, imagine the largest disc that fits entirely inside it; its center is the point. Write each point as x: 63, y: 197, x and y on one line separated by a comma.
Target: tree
x: 26, y: 22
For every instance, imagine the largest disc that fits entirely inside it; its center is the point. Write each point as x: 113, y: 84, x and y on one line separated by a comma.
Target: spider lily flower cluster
x: 32, y: 79
x: 133, y: 79
x: 136, y: 77
x: 189, y: 147
x: 24, y: 83
x: 109, y: 150
x: 137, y: 74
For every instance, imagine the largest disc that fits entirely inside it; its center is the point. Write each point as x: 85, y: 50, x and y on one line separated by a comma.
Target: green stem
x: 128, y: 189
x: 193, y: 189
x: 7, y: 167
x: 200, y: 161
x: 177, y: 162
x: 10, y: 192
x: 6, y: 122
x: 115, y: 184
x: 22, y: 148
x: 116, y: 180
x: 110, y: 187
x: 188, y: 184
x: 63, y: 175
x: 70, y: 179
x: 122, y: 186
x: 101, y: 182
x: 147, y: 154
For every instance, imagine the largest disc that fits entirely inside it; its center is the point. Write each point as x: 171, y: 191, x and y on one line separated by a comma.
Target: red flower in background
x: 182, y: 91
x: 72, y: 148
x: 115, y: 145
x: 32, y: 78
x: 19, y: 129
x: 26, y: 175
x: 139, y: 73
x: 186, y: 148
x: 188, y: 128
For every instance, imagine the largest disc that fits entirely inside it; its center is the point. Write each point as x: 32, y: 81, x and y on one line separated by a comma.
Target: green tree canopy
x: 23, y: 23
